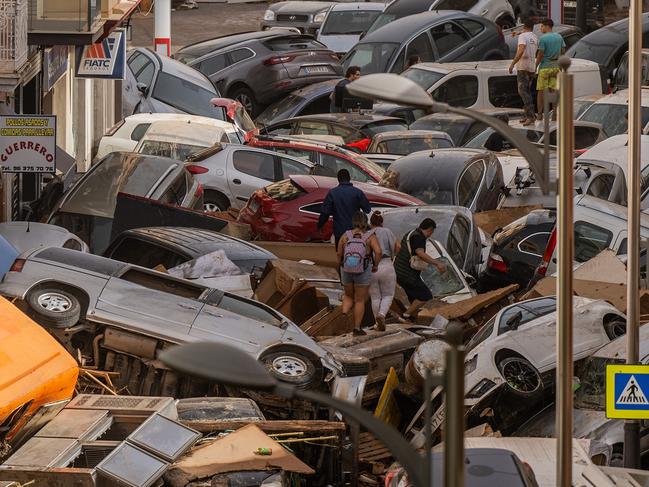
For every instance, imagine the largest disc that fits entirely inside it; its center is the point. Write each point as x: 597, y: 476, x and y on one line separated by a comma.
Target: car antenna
x: 27, y: 231
x: 432, y: 154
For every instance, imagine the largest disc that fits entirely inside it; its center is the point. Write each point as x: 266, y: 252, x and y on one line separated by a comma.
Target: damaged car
x: 118, y: 316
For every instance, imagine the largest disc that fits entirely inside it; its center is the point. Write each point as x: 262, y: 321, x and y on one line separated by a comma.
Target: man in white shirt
x: 525, y: 64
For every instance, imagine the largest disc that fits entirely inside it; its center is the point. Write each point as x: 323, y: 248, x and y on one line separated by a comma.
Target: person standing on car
x: 359, y: 254
x: 525, y: 63
x: 342, y: 202
x: 551, y: 46
x: 384, y: 281
x: 340, y: 90
x: 411, y: 260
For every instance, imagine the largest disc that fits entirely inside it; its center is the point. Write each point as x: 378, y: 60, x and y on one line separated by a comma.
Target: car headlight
x: 269, y: 15
x: 470, y: 365
x: 320, y: 16
x: 480, y: 389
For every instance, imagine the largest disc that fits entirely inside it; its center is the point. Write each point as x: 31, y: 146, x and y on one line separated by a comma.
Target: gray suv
x: 307, y: 17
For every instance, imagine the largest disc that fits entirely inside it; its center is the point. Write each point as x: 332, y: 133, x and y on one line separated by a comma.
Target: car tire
x: 213, y: 201
x: 521, y: 376
x: 615, y: 327
x: 244, y: 96
x: 54, y: 307
x: 291, y: 367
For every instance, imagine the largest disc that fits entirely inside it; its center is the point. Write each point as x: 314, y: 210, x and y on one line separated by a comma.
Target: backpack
x: 355, y: 256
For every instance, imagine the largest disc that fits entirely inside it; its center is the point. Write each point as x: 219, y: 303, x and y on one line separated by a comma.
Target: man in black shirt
x: 340, y: 91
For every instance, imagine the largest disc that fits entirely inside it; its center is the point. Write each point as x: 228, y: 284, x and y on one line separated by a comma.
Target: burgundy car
x: 289, y: 210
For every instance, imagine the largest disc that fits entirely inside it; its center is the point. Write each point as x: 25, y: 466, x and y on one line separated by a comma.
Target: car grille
x: 292, y: 18
x: 355, y: 369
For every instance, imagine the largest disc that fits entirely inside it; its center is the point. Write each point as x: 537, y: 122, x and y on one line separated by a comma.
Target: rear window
x: 177, y: 190
x: 172, y: 150
x: 388, y: 126
x: 82, y: 260
x: 284, y: 190
x: 185, y: 96
x: 612, y: 117
x: 590, y: 240
x: 405, y: 146
x: 348, y: 22
x: 293, y: 43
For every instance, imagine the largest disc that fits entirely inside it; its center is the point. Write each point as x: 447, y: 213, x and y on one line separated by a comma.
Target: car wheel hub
x: 520, y: 377
x: 54, y: 302
x: 211, y: 207
x: 290, y: 366
x: 245, y: 101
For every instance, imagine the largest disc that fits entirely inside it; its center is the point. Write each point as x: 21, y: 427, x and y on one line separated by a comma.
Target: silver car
x: 230, y: 173
x: 81, y: 297
x: 25, y: 236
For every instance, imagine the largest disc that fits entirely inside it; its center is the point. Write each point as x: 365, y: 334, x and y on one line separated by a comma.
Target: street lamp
x: 403, y: 91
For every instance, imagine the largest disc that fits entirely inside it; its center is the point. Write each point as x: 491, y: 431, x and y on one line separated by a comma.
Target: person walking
x: 384, y: 281
x: 359, y: 254
x: 525, y: 63
x: 410, y: 261
x: 551, y: 46
x: 340, y: 90
x: 342, y: 202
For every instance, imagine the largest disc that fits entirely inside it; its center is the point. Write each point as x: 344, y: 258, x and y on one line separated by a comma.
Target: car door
x: 421, y: 46
x: 214, y: 68
x: 247, y: 171
x: 470, y: 184
x: 459, y: 91
x: 451, y: 42
x: 291, y: 167
x: 150, y: 302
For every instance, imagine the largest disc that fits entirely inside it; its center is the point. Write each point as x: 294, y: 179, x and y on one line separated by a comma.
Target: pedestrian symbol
x: 627, y: 389
x: 632, y: 394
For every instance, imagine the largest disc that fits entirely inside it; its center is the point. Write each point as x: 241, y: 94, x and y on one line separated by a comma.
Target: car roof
x: 621, y: 97
x: 27, y: 235
x: 406, y: 27
x: 176, y: 68
x: 496, y: 65
x: 614, y: 150
x: 540, y: 217
x: 612, y: 210
x: 409, y: 7
x: 149, y: 117
x: 344, y: 6
x: 184, y: 132
x: 207, y: 46
x: 617, y: 348
x: 357, y: 120
x: 411, y: 134
x: 442, y: 214
x: 614, y: 32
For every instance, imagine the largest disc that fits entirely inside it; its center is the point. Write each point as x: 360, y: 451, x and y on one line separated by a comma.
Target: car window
x: 177, y: 190
x: 136, y: 62
x: 601, y: 186
x: 460, y: 91
x: 318, y: 105
x: 425, y: 78
x: 469, y: 183
x: 184, y: 95
x: 612, y: 117
x: 281, y: 129
x: 473, y: 27
x: 447, y: 37
x: 399, y: 63
x: 291, y: 167
x: 146, y: 254
x: 348, y: 135
x: 243, y: 307
x: 458, y: 240
x: 240, y: 54
x: 173, y: 150
x: 335, y: 164
x: 292, y: 43
x: 371, y: 57
x: 255, y: 164
x: 420, y: 46
x: 145, y: 75
x: 590, y: 240
x: 309, y: 155
x: 442, y: 284
x: 82, y: 260
x: 348, y: 22
x: 159, y: 282
x: 585, y: 137
x: 474, y: 130
x: 529, y: 310
x: 483, y: 333
x: 308, y: 128
x: 213, y: 64
x: 72, y: 244
x: 503, y: 92
x: 139, y: 131
x: 570, y: 39
x: 534, y: 244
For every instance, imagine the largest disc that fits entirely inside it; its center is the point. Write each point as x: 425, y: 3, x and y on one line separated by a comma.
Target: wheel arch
x: 216, y: 194
x: 80, y: 294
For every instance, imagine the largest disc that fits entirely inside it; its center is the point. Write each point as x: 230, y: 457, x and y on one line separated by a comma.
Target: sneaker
x: 380, y: 323
x: 358, y: 332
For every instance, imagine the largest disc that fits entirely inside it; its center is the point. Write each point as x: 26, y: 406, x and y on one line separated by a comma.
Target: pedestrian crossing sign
x: 627, y: 391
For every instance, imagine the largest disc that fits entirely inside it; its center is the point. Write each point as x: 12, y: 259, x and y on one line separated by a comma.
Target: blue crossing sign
x: 627, y: 391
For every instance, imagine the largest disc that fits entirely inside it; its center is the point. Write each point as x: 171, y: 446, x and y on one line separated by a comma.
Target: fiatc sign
x: 106, y: 59
x: 28, y: 143
x: 627, y: 390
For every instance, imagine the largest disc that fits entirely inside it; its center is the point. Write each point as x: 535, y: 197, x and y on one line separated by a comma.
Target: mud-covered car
x: 120, y: 316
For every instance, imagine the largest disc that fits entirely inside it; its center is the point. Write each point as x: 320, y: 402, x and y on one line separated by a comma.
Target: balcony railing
x: 13, y: 35
x: 64, y: 16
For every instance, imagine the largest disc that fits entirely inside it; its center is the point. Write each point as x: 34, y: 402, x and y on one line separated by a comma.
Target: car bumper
x: 284, y: 86
x: 305, y: 27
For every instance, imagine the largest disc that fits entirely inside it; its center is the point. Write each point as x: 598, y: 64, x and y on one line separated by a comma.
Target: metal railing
x: 63, y: 16
x: 13, y: 35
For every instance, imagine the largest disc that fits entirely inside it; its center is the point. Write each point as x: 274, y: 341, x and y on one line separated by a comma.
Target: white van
x: 488, y: 84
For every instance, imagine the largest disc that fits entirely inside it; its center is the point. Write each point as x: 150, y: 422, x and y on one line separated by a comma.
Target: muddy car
x: 121, y: 315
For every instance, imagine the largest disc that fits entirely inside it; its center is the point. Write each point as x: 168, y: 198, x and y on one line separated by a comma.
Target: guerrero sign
x: 103, y: 60
x: 627, y: 389
x: 28, y: 143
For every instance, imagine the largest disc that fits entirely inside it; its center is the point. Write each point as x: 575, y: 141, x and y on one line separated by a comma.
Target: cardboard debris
x: 328, y: 322
x: 463, y: 310
x: 233, y: 453
x: 322, y: 254
x: 483, y: 430
x: 492, y: 220
x: 604, y: 267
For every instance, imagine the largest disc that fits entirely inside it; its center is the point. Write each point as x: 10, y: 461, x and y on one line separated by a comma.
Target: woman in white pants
x: 384, y: 280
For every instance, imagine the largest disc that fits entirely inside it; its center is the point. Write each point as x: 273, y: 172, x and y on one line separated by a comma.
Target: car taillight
x: 18, y: 265
x: 278, y: 60
x: 199, y: 191
x: 192, y: 168
x: 497, y: 263
x: 542, y: 268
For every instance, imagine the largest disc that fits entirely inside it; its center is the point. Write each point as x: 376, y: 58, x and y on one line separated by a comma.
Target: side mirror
x: 142, y: 88
x: 514, y: 321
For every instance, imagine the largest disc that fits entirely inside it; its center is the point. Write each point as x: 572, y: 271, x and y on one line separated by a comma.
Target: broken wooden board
x: 492, y: 220
x: 323, y: 254
x: 371, y: 450
x: 328, y: 322
x: 604, y: 267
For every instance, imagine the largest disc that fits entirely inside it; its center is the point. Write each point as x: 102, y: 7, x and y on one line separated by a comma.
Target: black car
x: 354, y: 128
x: 172, y: 246
x: 256, y: 68
x: 464, y: 177
x: 517, y: 250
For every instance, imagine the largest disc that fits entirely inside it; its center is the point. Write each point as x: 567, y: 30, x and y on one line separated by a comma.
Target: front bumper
x: 305, y: 27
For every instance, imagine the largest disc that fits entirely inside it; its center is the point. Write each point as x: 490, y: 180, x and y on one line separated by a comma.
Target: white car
x: 125, y: 134
x: 611, y: 111
x: 345, y: 22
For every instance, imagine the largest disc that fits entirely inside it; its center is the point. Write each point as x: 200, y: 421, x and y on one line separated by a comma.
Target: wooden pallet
x: 371, y: 450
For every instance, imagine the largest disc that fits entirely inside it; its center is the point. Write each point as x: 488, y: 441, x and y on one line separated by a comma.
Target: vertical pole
x: 564, y: 281
x: 454, y: 434
x: 162, y: 37
x: 632, y: 428
x: 555, y: 10
x: 428, y: 430
x: 581, y: 15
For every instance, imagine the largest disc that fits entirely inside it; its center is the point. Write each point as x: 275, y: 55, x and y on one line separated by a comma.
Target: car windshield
x: 7, y: 256
x: 612, y: 117
x: 173, y: 150
x: 348, y: 22
x: 404, y: 146
x: 597, y: 52
x: 482, y: 334
x: 186, y: 96
x: 592, y: 390
x: 441, y: 284
x: 420, y: 183
x: 423, y: 77
x: 371, y: 57
x: 381, y: 20
x: 281, y: 109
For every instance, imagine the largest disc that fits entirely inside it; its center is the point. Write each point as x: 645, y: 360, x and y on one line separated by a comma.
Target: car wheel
x: 244, y: 96
x: 215, y: 202
x: 615, y: 328
x: 521, y: 376
x: 54, y: 307
x: 291, y: 367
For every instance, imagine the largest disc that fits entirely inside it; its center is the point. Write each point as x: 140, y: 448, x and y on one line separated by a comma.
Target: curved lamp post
x: 403, y: 91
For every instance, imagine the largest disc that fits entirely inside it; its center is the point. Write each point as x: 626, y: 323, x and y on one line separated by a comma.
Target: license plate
x: 253, y: 206
x: 316, y: 69
x: 570, y: 4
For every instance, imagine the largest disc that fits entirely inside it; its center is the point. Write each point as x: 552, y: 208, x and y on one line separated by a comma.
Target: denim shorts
x: 362, y: 279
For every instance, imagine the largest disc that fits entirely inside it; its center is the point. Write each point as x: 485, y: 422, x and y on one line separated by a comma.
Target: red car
x: 328, y: 158
x: 289, y: 210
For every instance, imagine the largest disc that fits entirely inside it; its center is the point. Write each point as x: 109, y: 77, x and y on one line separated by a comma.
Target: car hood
x: 299, y: 7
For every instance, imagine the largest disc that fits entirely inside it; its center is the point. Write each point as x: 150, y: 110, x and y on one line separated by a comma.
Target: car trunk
x: 321, y: 62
